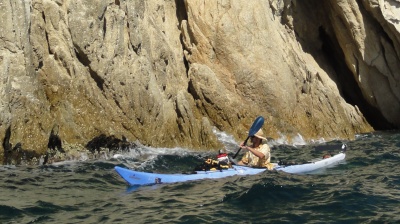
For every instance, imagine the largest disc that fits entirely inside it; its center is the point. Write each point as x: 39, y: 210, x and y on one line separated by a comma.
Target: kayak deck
x: 133, y: 177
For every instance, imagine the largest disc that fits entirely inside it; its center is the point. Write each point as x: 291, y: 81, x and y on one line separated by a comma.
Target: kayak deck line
x: 133, y: 177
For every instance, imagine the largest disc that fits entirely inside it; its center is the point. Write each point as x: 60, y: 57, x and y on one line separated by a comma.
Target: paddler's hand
x: 243, y: 146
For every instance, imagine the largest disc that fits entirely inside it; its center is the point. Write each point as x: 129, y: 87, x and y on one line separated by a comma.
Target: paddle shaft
x: 245, y: 142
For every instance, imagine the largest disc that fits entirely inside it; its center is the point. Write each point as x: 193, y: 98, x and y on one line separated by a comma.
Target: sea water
x: 365, y: 188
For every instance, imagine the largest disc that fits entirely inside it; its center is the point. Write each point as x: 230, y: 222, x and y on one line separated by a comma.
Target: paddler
x: 258, y: 154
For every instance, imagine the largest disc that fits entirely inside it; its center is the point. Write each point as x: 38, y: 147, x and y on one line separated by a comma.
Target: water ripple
x: 363, y: 189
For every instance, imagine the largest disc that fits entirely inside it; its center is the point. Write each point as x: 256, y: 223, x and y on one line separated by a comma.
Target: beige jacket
x: 252, y: 160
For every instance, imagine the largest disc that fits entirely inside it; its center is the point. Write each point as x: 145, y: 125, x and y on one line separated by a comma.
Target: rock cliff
x: 166, y: 73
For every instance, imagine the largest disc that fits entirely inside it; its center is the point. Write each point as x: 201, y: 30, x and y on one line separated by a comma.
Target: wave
x: 143, y: 157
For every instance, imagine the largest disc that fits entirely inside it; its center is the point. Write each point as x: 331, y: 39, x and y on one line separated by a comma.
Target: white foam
x: 118, y: 156
x: 298, y: 140
x: 144, y: 156
x: 223, y: 137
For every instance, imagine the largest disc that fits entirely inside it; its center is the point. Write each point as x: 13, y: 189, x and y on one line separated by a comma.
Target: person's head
x: 258, y: 137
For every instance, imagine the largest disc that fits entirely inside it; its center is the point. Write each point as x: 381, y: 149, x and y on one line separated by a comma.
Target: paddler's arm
x: 252, y: 150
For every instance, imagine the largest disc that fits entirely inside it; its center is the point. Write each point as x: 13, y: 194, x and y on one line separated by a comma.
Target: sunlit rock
x: 165, y: 73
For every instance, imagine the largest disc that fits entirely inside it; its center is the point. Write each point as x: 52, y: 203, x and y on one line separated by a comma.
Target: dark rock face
x: 109, y: 142
x: 55, y: 142
x: 106, y: 73
x: 16, y: 154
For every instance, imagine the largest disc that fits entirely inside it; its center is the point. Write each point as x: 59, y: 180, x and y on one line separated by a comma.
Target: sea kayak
x: 133, y: 177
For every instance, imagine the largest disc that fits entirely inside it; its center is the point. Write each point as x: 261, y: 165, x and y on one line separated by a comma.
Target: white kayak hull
x: 133, y: 177
x: 309, y: 167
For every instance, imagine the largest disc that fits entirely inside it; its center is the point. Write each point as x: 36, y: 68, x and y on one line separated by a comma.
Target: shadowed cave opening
x: 315, y: 33
x: 347, y: 85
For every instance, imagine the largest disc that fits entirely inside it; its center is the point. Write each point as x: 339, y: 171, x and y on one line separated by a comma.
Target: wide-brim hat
x: 260, y: 134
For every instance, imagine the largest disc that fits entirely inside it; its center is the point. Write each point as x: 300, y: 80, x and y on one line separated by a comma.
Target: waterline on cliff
x: 143, y: 156
x: 138, y: 155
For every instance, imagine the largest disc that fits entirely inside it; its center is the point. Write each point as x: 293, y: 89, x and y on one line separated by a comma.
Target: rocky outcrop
x: 369, y: 37
x: 254, y: 52
x: 166, y: 72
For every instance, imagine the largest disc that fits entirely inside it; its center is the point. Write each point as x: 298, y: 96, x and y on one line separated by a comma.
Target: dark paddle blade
x: 257, y: 124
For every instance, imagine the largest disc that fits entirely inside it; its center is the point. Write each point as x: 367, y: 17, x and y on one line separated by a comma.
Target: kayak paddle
x: 257, y: 124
